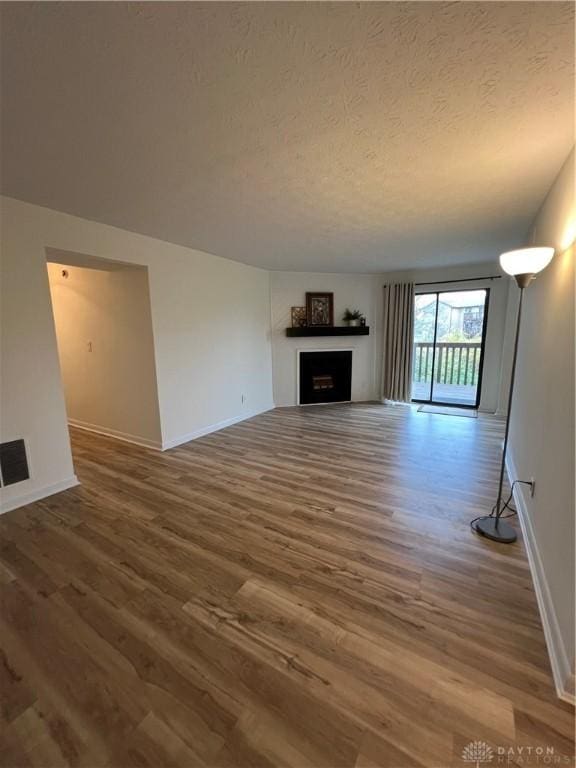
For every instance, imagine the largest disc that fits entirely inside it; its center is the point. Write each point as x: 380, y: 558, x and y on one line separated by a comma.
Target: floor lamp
x: 523, y: 265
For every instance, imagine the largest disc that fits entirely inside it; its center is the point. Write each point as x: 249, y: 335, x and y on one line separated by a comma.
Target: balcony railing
x: 456, y: 363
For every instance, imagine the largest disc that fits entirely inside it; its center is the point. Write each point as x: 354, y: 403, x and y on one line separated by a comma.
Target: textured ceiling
x: 314, y: 136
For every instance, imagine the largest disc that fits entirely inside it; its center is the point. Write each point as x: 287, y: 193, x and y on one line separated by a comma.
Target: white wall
x: 106, y: 349
x: 542, y: 421
x: 212, y: 333
x: 288, y: 289
x: 211, y: 326
x: 31, y: 396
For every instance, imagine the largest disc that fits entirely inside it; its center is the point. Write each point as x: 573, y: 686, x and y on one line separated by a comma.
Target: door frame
x: 482, y: 348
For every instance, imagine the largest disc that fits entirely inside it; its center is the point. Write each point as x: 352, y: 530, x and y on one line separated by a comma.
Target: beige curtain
x: 398, y: 342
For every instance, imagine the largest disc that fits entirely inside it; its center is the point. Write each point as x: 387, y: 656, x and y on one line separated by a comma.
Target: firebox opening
x: 325, y: 377
x: 322, y: 382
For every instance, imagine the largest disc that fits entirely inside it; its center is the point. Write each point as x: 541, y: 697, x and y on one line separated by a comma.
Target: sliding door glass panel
x: 458, y: 350
x: 425, y: 307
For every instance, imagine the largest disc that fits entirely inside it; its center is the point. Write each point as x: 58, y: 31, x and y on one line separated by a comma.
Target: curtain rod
x: 463, y: 280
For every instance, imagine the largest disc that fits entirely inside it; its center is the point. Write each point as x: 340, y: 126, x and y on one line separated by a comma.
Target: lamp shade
x: 526, y: 261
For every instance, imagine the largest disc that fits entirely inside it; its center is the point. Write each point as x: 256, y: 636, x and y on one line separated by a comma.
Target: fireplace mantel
x: 333, y: 330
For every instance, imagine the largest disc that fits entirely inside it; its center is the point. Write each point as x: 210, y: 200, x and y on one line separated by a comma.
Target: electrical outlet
x: 532, y: 486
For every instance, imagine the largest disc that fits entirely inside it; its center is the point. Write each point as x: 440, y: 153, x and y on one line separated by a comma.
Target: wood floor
x: 301, y: 589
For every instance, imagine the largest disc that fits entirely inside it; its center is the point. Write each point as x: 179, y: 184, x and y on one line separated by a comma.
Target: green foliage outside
x: 458, y: 366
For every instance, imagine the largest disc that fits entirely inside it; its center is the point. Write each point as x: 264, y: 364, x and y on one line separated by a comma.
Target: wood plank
x: 301, y: 589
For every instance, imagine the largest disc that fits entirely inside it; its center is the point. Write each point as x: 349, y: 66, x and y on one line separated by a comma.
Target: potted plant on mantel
x: 353, y: 317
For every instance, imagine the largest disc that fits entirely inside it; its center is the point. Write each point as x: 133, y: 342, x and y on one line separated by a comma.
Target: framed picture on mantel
x: 320, y: 309
x: 298, y: 315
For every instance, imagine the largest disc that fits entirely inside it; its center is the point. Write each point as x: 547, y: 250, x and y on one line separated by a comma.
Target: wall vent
x: 13, y: 462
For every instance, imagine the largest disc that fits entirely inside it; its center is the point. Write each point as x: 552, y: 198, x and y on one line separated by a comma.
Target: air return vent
x: 13, y: 462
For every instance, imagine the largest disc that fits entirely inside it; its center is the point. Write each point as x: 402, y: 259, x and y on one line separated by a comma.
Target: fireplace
x: 325, y: 377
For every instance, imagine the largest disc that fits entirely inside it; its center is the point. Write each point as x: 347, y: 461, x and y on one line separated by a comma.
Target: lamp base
x: 495, y: 529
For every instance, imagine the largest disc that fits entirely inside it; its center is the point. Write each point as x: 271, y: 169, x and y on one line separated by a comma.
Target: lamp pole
x: 492, y: 526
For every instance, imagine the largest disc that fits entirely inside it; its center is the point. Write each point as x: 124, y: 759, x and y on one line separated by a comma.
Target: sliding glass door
x: 449, y: 335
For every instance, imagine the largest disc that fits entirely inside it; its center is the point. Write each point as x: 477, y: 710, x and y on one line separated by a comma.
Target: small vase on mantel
x: 353, y: 318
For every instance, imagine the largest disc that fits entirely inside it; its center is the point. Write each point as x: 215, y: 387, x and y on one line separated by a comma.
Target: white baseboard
x: 186, y: 438
x: 39, y: 493
x: 559, y: 660
x: 125, y: 436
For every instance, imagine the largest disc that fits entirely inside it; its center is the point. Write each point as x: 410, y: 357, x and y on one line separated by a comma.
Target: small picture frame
x: 298, y: 315
x: 320, y: 309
